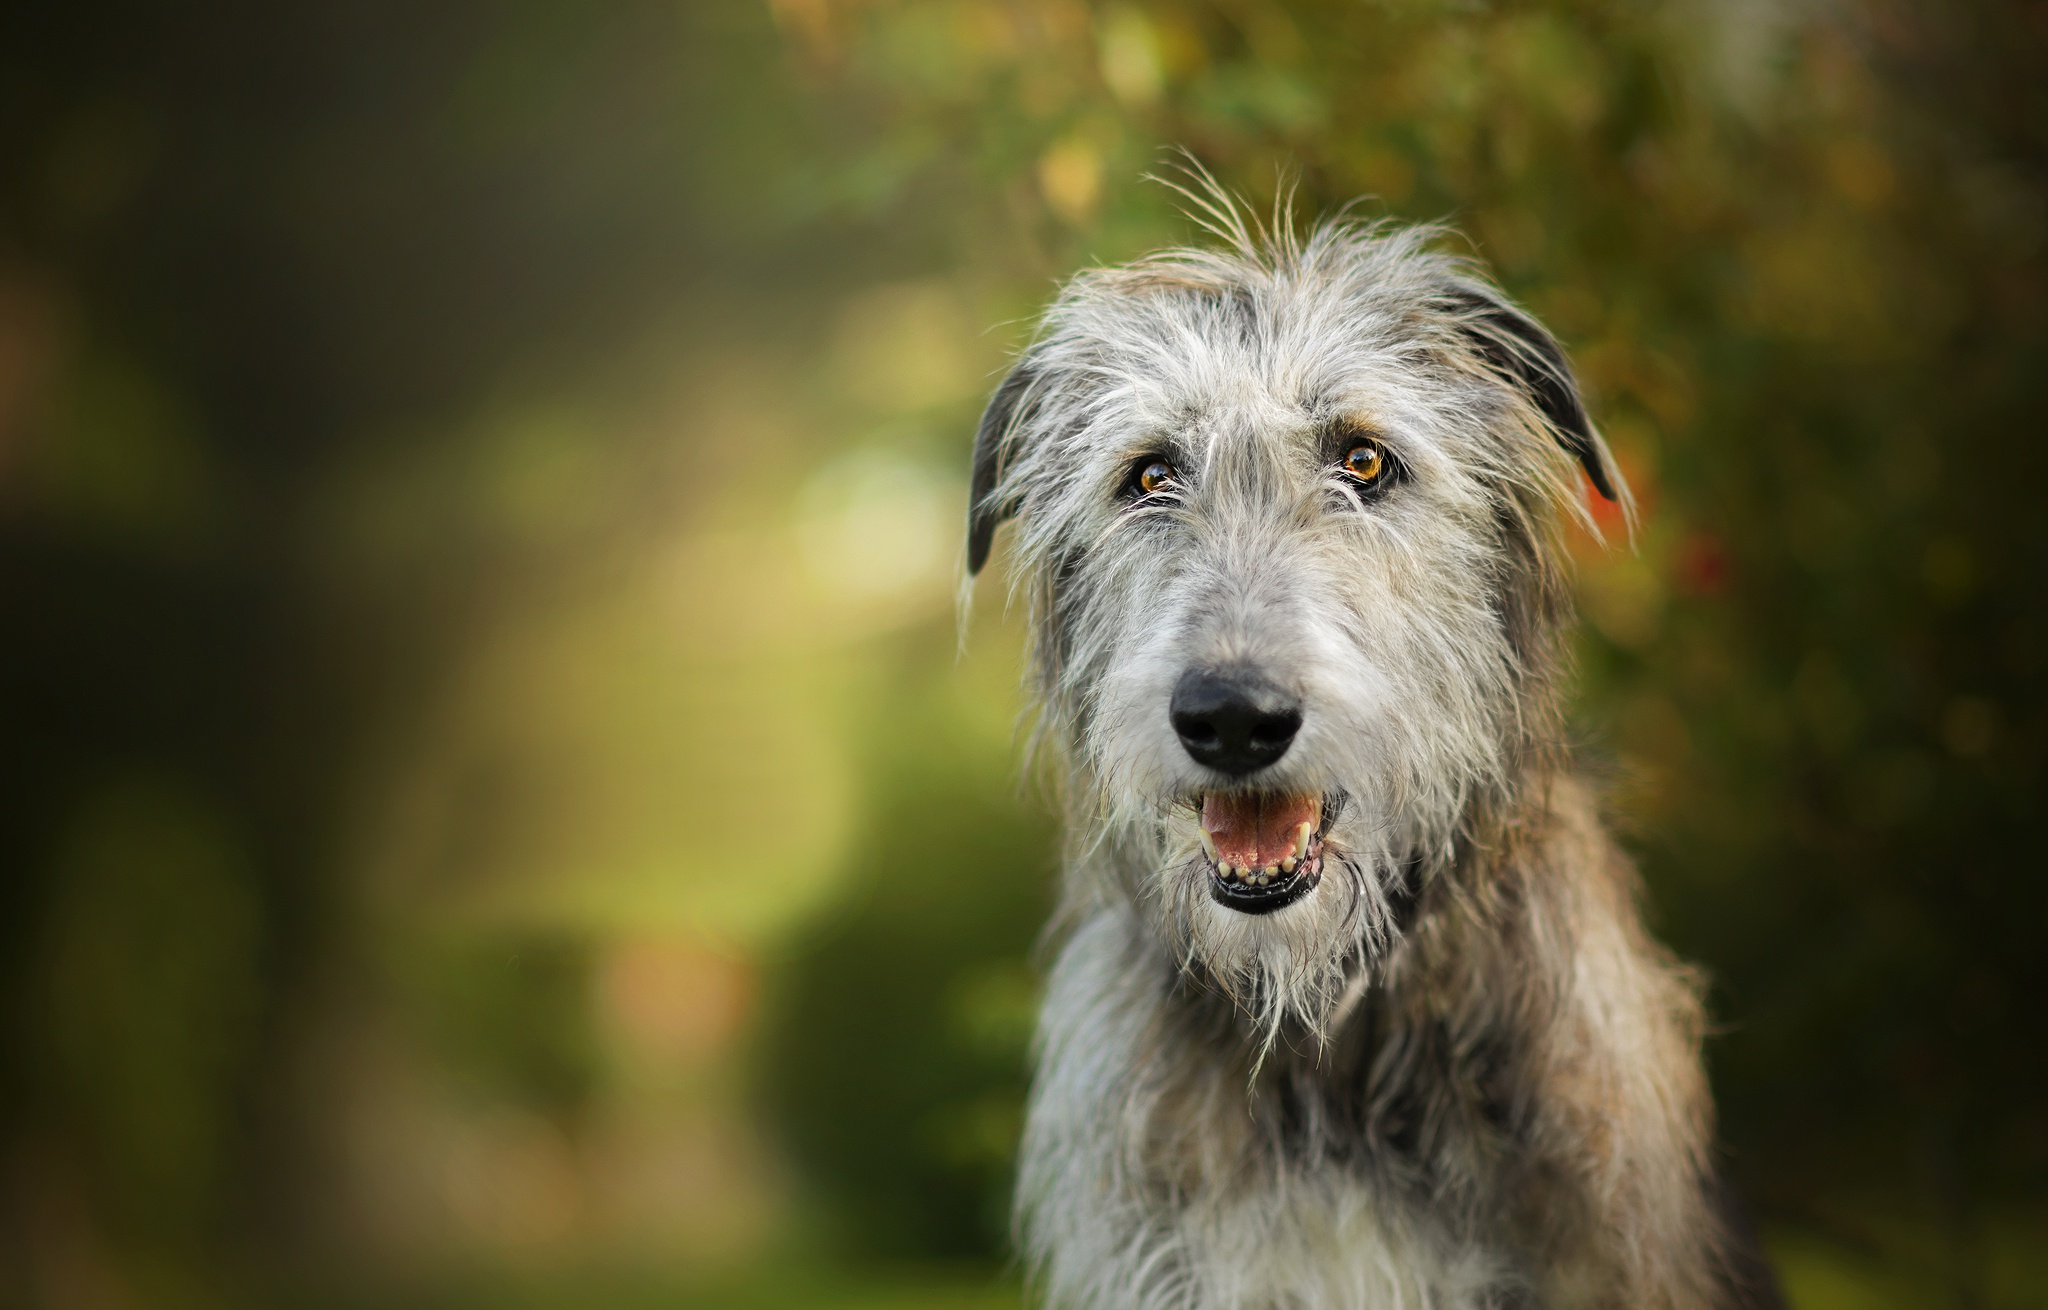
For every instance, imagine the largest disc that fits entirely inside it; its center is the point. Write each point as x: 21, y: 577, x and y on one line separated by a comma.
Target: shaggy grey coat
x: 1456, y: 1072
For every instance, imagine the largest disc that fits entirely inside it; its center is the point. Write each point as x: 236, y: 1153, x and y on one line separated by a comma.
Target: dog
x: 1352, y: 1005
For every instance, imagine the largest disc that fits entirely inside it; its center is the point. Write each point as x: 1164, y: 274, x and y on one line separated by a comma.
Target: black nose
x: 1235, y: 722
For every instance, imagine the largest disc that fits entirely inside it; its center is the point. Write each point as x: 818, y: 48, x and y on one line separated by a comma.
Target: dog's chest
x: 1319, y: 1199
x: 1159, y: 1172
x: 1333, y: 1243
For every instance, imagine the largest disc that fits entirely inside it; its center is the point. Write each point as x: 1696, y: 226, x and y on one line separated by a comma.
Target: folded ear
x: 991, y: 457
x: 1523, y: 351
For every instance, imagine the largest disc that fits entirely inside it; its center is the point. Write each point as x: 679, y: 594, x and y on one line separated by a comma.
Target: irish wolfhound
x: 1353, y: 1005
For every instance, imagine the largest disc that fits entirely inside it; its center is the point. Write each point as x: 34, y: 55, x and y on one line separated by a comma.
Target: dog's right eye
x: 1150, y: 475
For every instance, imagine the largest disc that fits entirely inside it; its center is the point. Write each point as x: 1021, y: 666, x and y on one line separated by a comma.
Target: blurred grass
x: 781, y: 1289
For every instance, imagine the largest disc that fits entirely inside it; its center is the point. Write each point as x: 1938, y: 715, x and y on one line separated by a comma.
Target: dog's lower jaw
x: 1269, y: 893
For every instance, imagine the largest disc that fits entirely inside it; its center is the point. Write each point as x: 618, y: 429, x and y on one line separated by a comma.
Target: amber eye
x: 1366, y: 461
x: 1155, y: 477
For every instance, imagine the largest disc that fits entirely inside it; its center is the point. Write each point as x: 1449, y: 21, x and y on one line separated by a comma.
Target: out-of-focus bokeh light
x: 499, y: 811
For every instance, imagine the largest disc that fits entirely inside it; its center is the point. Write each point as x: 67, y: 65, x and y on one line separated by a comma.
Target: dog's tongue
x: 1258, y: 830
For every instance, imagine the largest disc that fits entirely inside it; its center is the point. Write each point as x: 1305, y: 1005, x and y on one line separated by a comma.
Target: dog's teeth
x: 1266, y: 874
x: 1302, y: 832
x: 1265, y: 878
x: 1208, y: 844
x: 1287, y: 865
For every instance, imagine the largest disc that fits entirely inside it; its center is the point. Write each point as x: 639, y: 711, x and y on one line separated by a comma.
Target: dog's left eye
x: 1366, y: 461
x: 1150, y: 476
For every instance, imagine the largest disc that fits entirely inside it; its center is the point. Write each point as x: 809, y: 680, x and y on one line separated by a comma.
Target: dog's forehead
x: 1221, y: 370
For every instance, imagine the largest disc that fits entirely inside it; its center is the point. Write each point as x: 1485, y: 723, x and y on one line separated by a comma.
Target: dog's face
x: 1288, y: 520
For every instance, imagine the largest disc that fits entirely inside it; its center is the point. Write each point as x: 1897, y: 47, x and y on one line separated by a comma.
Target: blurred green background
x: 493, y: 809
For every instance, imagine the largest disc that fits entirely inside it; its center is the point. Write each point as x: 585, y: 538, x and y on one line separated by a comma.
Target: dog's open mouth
x: 1265, y: 849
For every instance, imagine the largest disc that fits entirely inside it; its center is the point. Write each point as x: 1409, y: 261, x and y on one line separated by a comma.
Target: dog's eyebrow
x: 1320, y: 407
x: 1171, y: 446
x: 1334, y: 431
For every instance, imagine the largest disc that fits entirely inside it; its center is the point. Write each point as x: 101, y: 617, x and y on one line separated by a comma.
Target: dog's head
x: 1288, y: 514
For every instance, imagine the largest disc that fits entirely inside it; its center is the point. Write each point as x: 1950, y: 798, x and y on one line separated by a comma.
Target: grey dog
x: 1352, y: 1004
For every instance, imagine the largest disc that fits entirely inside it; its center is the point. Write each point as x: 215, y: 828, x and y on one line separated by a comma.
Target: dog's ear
x: 1523, y: 351
x: 991, y: 457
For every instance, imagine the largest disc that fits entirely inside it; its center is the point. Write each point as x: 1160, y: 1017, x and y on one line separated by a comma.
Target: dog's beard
x: 1291, y: 971
x: 1288, y: 971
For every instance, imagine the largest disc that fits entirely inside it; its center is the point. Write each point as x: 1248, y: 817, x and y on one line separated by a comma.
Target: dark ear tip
x: 1603, y: 484
x: 981, y: 536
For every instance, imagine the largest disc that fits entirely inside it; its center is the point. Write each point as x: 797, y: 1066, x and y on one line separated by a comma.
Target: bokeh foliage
x: 476, y: 487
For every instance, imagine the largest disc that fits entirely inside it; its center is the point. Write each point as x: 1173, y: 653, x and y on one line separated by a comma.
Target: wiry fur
x: 1458, y: 1073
